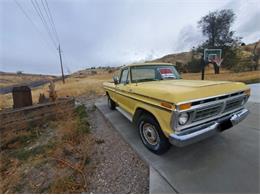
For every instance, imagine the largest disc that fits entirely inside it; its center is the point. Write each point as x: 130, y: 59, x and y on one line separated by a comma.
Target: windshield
x: 153, y: 73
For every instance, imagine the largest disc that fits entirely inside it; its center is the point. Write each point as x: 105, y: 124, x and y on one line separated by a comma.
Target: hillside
x: 11, y: 79
x: 185, y: 57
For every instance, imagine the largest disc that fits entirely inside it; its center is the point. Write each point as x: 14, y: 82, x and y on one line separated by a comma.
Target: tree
x: 216, y: 26
x: 256, y: 56
x: 19, y: 72
x: 241, y: 60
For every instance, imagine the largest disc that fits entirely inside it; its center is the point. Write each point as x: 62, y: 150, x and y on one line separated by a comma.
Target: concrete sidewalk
x: 226, y: 163
x: 255, y: 93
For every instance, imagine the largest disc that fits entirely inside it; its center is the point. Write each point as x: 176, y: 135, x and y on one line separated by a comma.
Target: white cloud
x: 101, y: 32
x: 188, y: 37
x: 246, y: 23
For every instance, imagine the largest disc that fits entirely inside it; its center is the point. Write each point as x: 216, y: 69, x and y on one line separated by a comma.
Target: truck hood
x: 176, y: 91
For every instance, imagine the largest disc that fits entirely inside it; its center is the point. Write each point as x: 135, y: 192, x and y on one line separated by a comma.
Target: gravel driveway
x: 116, y: 167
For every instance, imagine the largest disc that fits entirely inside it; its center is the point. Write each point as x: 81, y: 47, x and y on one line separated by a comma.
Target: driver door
x: 122, y: 90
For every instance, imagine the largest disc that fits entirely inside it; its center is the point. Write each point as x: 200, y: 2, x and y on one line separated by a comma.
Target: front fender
x: 163, y: 116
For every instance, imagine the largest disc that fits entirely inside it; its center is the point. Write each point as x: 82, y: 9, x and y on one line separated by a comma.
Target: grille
x: 204, y: 113
x: 233, y: 104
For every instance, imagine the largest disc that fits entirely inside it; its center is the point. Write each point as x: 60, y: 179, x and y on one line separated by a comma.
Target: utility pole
x: 63, y: 79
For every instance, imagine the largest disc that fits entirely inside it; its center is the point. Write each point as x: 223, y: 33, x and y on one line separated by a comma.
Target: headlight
x: 243, y: 102
x: 183, y: 118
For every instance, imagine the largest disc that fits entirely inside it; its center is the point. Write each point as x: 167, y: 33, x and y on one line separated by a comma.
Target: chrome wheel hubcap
x: 150, y: 134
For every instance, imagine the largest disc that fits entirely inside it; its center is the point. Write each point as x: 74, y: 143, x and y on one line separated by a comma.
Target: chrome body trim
x: 193, y: 109
x: 198, y: 133
x: 126, y: 114
x: 238, y: 117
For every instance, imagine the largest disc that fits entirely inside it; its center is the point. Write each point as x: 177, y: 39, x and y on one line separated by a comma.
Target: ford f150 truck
x: 168, y: 109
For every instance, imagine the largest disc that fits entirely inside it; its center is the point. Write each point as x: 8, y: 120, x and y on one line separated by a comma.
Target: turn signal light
x: 167, y: 105
x: 185, y: 106
x: 247, y: 92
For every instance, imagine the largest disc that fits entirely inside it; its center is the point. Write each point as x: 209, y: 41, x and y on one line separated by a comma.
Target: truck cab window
x: 124, y: 76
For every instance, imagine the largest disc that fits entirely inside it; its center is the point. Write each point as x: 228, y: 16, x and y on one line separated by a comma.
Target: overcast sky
x: 110, y: 32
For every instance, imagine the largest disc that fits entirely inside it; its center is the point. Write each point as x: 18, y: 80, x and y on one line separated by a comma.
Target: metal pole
x: 63, y: 79
x: 202, y: 73
x: 202, y: 63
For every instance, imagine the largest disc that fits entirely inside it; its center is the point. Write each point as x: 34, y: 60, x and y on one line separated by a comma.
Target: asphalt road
x: 226, y: 163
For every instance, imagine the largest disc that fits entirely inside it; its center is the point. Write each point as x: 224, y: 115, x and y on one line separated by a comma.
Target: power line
x: 38, y: 11
x: 48, y: 12
x: 44, y: 22
x: 44, y: 19
x: 52, y: 24
x: 49, y: 20
x: 29, y: 18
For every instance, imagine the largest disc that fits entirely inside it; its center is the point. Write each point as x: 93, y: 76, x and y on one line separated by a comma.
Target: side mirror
x: 116, y: 80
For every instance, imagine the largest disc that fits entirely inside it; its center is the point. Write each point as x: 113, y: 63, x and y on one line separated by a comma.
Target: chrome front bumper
x: 200, y: 132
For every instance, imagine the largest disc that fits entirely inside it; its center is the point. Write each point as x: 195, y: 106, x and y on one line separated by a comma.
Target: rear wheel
x: 111, y: 103
x: 152, y: 135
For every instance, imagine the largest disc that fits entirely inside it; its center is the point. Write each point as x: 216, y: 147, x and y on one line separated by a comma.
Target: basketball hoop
x: 213, y: 56
x: 217, y: 60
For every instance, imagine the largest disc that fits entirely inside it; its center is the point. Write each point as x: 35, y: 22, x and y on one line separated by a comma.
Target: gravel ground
x: 116, y: 166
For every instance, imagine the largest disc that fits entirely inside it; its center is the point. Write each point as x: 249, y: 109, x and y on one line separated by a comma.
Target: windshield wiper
x: 144, y: 80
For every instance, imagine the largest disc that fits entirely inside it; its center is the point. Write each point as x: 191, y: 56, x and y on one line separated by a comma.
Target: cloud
x: 250, y: 29
x: 251, y: 25
x: 115, y: 32
x: 188, y: 37
x: 246, y: 23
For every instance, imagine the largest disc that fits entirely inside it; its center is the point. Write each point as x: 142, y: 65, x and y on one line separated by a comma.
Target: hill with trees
x: 185, y: 60
x: 216, y: 28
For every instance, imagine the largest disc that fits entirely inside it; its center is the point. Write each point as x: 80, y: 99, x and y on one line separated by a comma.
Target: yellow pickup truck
x: 170, y: 110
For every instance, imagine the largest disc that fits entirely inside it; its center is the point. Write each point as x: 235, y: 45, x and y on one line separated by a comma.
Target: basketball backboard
x: 213, y: 55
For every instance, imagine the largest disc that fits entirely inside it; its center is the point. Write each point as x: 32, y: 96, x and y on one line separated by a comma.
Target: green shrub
x: 82, y: 123
x: 194, y: 65
x: 239, y: 61
x: 182, y: 68
x: 81, y: 111
x: 24, y: 154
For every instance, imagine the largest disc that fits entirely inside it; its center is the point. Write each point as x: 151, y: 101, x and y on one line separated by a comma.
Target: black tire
x: 111, y: 103
x: 161, y: 143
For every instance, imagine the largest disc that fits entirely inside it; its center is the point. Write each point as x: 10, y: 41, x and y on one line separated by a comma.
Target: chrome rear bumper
x: 200, y: 132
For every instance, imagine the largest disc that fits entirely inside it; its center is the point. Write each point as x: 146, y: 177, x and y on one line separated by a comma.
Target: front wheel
x: 152, y: 135
x: 111, y: 103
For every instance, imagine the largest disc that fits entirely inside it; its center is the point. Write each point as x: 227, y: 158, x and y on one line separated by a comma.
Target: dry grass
x: 183, y: 57
x: 91, y: 85
x: 52, y: 159
x: 8, y: 79
x: 225, y: 76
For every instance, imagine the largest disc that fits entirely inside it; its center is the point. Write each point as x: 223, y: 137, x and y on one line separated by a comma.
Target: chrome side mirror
x: 116, y: 80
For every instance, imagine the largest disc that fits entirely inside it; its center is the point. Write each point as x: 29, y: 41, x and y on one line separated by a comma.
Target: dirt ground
x: 69, y: 156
